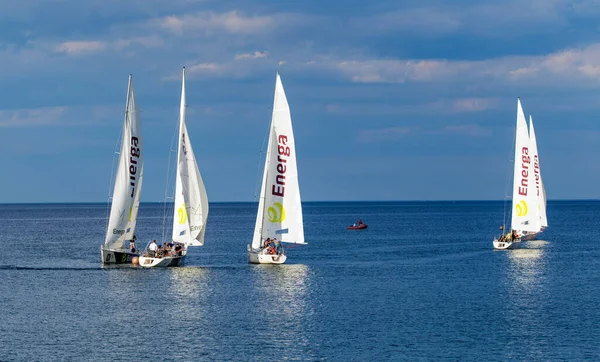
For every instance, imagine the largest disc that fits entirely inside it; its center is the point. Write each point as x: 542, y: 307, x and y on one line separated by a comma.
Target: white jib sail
x: 191, y: 201
x: 537, y: 178
x: 524, y: 199
x: 543, y: 218
x: 128, y: 181
x: 280, y: 209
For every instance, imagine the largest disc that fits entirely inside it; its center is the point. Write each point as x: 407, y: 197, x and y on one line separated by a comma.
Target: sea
x: 421, y: 283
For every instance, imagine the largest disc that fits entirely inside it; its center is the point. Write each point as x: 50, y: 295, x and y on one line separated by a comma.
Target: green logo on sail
x: 276, y: 213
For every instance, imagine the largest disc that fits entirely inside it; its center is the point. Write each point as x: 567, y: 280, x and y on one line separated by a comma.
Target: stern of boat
x: 259, y: 257
x: 117, y: 256
x: 504, y: 245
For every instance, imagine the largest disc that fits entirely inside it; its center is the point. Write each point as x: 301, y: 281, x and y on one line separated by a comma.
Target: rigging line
x: 262, y: 152
x: 507, y: 175
x: 168, y: 180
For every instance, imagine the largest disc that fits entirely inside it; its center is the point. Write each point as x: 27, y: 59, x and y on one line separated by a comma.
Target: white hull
x: 148, y: 262
x: 529, y: 236
x: 503, y: 245
x: 260, y: 257
x: 116, y: 256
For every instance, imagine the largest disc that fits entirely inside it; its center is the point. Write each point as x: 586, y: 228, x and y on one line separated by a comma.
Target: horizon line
x: 311, y: 201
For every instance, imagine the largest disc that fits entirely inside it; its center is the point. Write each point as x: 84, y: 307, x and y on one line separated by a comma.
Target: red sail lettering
x: 278, y: 190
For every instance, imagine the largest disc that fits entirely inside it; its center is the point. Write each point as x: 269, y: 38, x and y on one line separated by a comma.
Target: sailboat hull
x: 504, y: 245
x: 259, y: 257
x: 117, y: 256
x: 527, y: 237
x: 167, y: 261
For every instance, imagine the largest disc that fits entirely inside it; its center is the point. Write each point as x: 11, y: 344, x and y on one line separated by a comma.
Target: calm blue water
x: 421, y: 283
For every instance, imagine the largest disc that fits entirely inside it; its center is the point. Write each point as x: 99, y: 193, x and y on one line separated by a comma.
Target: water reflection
x: 526, y: 308
x: 526, y: 266
x: 287, y: 311
x: 188, y: 283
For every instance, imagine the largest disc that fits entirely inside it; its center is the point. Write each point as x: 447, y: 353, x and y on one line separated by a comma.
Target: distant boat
x: 127, y: 189
x: 279, y: 216
x: 525, y: 220
x: 357, y: 226
x: 191, y: 201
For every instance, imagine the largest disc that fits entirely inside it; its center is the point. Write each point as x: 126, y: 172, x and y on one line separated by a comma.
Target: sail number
x: 283, y: 151
x: 133, y: 160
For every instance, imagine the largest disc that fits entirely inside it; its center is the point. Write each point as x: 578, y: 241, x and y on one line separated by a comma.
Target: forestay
x: 128, y: 181
x: 191, y: 201
x: 524, y: 206
x: 280, y: 209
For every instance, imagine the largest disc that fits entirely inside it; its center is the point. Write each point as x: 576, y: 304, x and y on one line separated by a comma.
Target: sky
x: 390, y: 100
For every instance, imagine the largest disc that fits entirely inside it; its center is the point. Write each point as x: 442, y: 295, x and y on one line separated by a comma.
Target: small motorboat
x: 358, y: 226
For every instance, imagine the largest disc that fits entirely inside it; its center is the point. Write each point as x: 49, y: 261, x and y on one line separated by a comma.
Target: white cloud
x: 81, y: 47
x: 203, y: 67
x: 199, y: 70
x: 572, y: 66
x: 473, y: 104
x: 31, y: 117
x: 232, y: 22
x: 59, y: 116
x: 397, y: 71
x: 256, y: 55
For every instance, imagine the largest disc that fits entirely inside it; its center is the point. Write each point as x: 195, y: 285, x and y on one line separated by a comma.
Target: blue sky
x: 411, y: 100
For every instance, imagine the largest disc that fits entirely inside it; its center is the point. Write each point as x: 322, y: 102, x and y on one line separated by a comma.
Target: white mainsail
x: 128, y: 181
x: 524, y: 199
x: 279, y: 208
x: 540, y: 192
x: 191, y: 201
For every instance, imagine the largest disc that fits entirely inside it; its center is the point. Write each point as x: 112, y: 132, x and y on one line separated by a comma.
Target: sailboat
x: 525, y: 220
x: 279, y: 216
x: 539, y: 184
x: 191, y: 202
x: 127, y: 189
